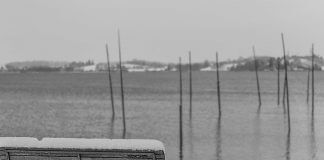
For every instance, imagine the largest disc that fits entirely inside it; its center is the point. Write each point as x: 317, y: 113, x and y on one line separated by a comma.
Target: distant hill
x: 17, y: 66
x: 265, y: 63
x: 146, y: 63
x: 44, y: 66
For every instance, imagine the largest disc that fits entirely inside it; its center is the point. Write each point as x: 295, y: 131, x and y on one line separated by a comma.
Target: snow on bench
x: 81, y: 143
x: 82, y: 146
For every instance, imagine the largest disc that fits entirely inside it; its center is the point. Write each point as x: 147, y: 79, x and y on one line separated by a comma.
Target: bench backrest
x: 24, y: 148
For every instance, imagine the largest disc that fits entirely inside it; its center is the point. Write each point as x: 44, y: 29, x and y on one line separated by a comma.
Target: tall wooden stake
x: 218, y: 87
x: 122, y: 87
x: 278, y: 81
x: 110, y: 84
x: 284, y: 97
x: 307, y: 90
x: 313, y: 80
x: 190, y: 86
x: 180, y: 110
x: 257, y: 78
x: 286, y: 80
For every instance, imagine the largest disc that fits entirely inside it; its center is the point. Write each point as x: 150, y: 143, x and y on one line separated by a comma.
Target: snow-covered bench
x: 26, y: 148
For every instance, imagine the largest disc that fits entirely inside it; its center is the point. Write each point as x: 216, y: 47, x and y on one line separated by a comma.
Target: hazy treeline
x: 272, y: 63
x: 45, y: 66
x: 265, y: 63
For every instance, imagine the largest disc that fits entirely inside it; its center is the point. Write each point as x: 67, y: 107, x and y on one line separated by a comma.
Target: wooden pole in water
x: 110, y: 84
x: 257, y: 78
x: 180, y: 109
x: 284, y: 92
x: 218, y: 87
x: 284, y: 96
x: 286, y: 79
x: 278, y: 81
x: 313, y: 80
x: 122, y: 87
x: 307, y: 90
x: 190, y: 87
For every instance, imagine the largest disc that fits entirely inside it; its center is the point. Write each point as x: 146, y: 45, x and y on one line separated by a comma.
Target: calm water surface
x: 78, y: 105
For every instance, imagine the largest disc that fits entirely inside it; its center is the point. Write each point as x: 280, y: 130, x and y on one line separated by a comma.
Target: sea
x: 78, y: 105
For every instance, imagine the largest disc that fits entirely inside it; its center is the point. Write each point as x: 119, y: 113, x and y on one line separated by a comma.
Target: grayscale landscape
x: 224, y: 80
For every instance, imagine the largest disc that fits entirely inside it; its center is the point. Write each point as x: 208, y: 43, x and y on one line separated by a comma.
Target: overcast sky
x: 66, y: 30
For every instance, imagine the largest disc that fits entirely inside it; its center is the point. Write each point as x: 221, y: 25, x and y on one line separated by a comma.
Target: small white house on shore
x: 90, y: 68
x: 208, y: 69
x: 227, y: 67
x: 135, y: 68
x: 157, y: 69
x: 3, y: 68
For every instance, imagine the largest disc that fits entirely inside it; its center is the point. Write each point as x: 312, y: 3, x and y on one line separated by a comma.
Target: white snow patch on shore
x: 81, y: 143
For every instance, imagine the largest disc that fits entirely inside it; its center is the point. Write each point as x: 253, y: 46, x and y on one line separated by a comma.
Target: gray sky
x: 157, y: 30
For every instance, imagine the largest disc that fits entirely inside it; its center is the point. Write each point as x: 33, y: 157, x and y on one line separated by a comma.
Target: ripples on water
x: 77, y: 105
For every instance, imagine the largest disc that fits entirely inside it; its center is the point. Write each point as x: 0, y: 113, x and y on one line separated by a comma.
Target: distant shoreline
x: 265, y: 63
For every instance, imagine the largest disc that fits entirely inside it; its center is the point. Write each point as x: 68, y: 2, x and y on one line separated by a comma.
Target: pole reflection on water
x: 191, y: 145
x: 257, y: 135
x: 312, y: 136
x: 259, y: 109
x: 288, y: 145
x: 313, y: 147
x: 112, y: 124
x: 219, y: 139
